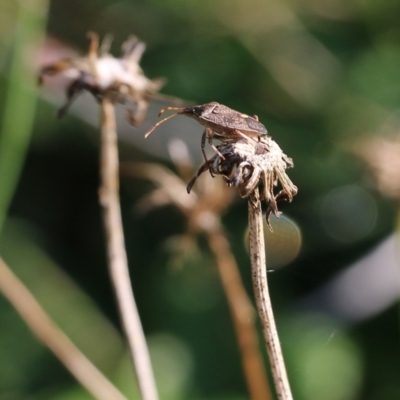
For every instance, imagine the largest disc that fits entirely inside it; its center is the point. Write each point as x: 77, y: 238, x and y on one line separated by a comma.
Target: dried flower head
x: 248, y: 165
x: 102, y: 74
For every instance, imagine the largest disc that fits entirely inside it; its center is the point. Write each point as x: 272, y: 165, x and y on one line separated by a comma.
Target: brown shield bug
x: 221, y: 123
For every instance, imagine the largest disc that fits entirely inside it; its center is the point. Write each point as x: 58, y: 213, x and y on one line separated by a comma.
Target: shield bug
x: 220, y: 122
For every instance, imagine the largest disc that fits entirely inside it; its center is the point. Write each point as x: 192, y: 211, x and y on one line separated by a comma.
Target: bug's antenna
x: 162, y: 111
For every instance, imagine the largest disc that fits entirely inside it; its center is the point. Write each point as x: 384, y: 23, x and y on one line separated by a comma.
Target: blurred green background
x: 324, y: 79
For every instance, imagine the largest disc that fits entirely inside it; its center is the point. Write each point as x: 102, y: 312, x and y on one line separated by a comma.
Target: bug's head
x: 199, y: 112
x: 195, y: 111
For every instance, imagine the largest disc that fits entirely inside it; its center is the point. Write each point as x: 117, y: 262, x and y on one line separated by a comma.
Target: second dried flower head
x: 102, y: 74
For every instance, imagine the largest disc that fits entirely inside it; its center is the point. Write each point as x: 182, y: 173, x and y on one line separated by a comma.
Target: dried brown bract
x: 248, y: 165
x: 202, y: 210
x: 102, y: 74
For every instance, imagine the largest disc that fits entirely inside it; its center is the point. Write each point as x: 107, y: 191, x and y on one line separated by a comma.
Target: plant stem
x: 263, y: 301
x: 117, y: 259
x: 54, y: 338
x: 242, y: 314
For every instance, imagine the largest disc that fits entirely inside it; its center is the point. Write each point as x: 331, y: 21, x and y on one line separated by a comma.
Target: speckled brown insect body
x: 224, y: 121
x: 220, y: 122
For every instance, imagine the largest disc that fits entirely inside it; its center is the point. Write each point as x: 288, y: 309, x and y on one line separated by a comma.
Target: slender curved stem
x: 117, y: 259
x: 54, y: 338
x: 242, y: 314
x: 264, y: 307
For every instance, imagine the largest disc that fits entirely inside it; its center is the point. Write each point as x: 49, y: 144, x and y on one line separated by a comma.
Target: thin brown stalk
x: 54, y: 338
x: 117, y: 259
x: 263, y: 301
x: 242, y: 314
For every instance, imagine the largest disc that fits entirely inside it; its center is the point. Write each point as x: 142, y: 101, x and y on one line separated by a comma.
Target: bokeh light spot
x: 283, y: 244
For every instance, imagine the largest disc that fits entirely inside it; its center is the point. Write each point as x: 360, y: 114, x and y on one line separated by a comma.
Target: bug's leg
x: 246, y: 137
x: 204, y: 167
x: 263, y: 134
x: 207, y: 132
x: 203, y: 143
x: 261, y: 147
x: 210, y: 136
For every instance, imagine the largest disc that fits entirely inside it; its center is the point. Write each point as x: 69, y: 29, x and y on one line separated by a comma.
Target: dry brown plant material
x: 248, y: 166
x: 263, y: 300
x: 256, y: 169
x: 100, y: 73
x: 54, y: 338
x: 255, y: 166
x: 117, y: 259
x: 112, y: 81
x: 202, y: 211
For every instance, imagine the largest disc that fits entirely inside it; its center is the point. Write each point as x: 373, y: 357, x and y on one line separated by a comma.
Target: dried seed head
x: 248, y: 166
x: 101, y: 74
